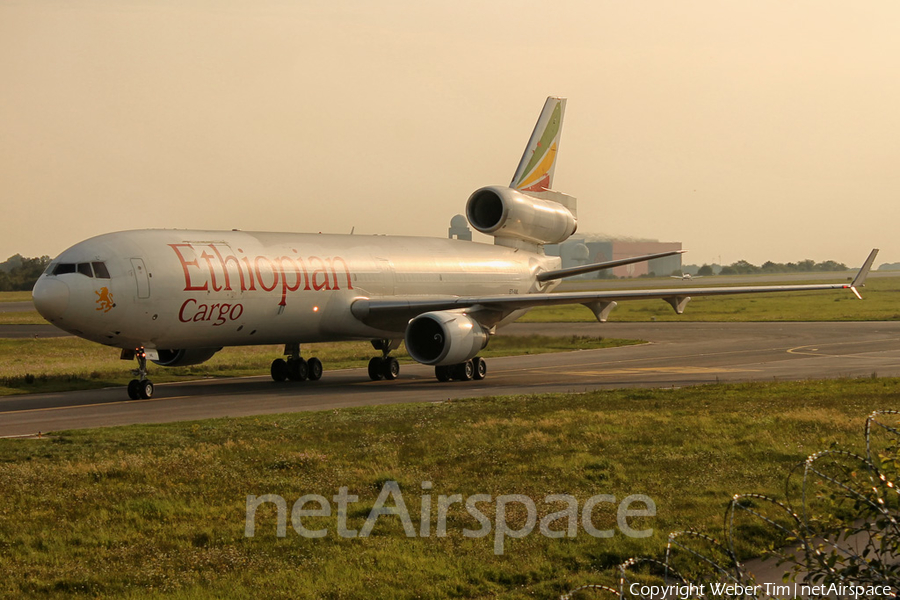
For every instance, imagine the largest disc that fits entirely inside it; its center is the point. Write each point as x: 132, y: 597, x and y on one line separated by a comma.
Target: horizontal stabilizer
x: 580, y: 270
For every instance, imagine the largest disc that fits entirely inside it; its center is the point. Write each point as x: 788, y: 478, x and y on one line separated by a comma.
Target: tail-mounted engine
x: 507, y: 213
x: 444, y: 338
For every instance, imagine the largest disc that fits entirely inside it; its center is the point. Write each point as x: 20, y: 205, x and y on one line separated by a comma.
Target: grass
x: 60, y: 364
x: 881, y: 302
x: 28, y: 317
x: 15, y: 296
x: 159, y: 511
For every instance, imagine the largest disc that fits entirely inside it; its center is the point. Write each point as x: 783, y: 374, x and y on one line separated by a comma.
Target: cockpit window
x: 63, y: 268
x: 91, y: 269
x: 100, y: 270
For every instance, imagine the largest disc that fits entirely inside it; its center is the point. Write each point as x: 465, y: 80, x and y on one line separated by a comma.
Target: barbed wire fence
x: 843, y: 529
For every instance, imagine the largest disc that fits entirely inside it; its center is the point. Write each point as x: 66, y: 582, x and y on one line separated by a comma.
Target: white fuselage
x: 201, y: 289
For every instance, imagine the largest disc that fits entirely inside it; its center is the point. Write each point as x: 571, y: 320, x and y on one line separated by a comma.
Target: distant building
x: 590, y: 248
x: 459, y: 229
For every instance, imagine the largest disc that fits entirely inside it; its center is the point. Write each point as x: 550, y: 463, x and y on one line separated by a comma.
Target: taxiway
x: 678, y: 354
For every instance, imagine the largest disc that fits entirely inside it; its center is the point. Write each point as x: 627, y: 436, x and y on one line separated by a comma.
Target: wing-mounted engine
x: 184, y: 358
x: 444, y: 338
x: 506, y: 213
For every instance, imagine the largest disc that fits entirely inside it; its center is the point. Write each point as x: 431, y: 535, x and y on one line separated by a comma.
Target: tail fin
x: 535, y: 172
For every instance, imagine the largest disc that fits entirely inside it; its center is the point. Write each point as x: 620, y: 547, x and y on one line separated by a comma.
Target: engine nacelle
x: 505, y: 212
x: 183, y: 358
x: 444, y: 338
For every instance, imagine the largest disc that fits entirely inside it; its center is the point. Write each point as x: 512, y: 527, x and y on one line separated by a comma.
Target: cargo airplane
x: 176, y: 297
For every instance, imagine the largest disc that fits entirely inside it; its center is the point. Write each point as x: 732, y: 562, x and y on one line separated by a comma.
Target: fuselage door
x: 387, y: 275
x: 141, y: 277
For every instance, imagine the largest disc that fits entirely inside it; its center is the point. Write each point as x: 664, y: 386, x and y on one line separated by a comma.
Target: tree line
x: 18, y: 273
x: 742, y: 267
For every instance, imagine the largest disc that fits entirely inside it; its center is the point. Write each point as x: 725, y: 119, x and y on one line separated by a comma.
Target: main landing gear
x: 384, y: 366
x: 295, y: 368
x: 475, y: 369
x: 140, y: 388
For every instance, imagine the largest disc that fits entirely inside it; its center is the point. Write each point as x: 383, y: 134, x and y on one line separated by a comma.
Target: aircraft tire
x: 297, y: 370
x: 391, y: 368
x: 134, y: 389
x: 279, y: 369
x: 376, y: 372
x: 464, y: 371
x: 480, y: 368
x: 315, y: 369
x: 442, y: 372
x: 146, y: 388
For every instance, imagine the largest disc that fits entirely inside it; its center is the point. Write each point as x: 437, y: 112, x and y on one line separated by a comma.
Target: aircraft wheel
x: 464, y: 371
x: 279, y: 369
x: 376, y: 372
x: 146, y: 389
x: 134, y: 389
x: 390, y: 367
x: 480, y: 368
x: 315, y: 369
x: 297, y: 370
x: 442, y: 372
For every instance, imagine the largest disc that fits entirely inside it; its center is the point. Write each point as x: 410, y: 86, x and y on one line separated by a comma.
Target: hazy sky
x: 746, y: 130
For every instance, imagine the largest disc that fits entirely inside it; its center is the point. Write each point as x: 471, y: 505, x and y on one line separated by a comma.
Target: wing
x: 395, y: 312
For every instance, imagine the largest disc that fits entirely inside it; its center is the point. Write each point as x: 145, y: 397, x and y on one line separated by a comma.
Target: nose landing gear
x: 140, y: 388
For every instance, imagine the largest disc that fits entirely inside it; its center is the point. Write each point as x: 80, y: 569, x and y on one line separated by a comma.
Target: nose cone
x: 51, y: 297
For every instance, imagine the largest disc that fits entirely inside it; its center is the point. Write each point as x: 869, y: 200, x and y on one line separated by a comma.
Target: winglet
x: 535, y: 172
x: 860, y: 279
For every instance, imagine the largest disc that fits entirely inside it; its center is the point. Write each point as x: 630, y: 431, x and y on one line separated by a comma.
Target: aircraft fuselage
x: 201, y: 289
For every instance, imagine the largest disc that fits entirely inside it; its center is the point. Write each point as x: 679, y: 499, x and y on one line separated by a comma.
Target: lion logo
x: 105, y: 300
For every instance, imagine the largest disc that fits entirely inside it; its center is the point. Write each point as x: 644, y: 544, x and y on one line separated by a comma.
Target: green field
x: 59, y: 364
x: 30, y: 317
x: 159, y: 511
x: 15, y: 296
